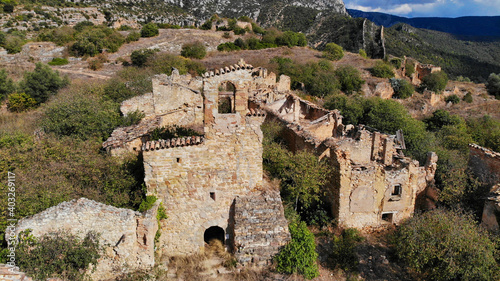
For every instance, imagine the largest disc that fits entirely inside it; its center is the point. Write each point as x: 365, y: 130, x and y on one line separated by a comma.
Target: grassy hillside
x: 471, y: 57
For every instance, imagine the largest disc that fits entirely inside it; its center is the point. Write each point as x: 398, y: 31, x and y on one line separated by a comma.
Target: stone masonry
x: 373, y: 183
x: 127, y: 237
x: 202, y: 181
x: 207, y: 183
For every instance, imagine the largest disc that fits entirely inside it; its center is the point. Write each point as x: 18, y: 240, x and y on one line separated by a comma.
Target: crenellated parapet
x: 170, y: 143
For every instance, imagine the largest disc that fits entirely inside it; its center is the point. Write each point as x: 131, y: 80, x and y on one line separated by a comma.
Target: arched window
x: 214, y: 233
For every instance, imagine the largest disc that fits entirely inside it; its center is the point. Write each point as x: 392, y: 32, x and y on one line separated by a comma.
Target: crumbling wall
x: 127, y: 237
x: 485, y: 164
x: 260, y: 227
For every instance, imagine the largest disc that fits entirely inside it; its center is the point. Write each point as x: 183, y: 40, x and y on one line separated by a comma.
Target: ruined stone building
x: 212, y: 184
x: 373, y: 182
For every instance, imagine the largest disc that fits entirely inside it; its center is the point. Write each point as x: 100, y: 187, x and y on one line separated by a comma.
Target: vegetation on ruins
x: 343, y: 250
x: 58, y: 255
x: 170, y: 132
x: 446, y: 245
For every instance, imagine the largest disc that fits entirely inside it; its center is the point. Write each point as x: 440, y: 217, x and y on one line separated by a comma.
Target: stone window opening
x: 227, y: 93
x: 387, y: 217
x: 214, y: 233
x: 396, y: 192
x: 178, y: 160
x: 212, y: 195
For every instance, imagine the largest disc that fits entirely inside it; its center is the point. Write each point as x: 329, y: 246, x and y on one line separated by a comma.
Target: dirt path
x: 80, y: 73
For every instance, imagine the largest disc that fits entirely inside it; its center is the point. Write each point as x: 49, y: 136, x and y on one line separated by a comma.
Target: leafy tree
x: 149, y: 30
x: 409, y: 68
x: 349, y: 78
x: 13, y: 43
x: 333, y: 51
x: 6, y: 85
x: 351, y: 108
x: 299, y: 255
x: 382, y: 70
x: 93, y: 40
x: 42, y: 83
x: 194, y: 50
x: 19, y: 102
x: 402, y: 88
x: 485, y: 131
x: 493, y: 85
x: 436, y: 81
x: 446, y: 245
x: 58, y: 254
x: 140, y: 57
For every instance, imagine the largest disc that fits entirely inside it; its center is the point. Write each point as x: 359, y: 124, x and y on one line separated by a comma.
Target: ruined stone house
x: 373, y: 182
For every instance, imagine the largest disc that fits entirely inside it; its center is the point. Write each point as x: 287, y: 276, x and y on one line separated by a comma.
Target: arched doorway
x: 227, y: 92
x: 214, y: 232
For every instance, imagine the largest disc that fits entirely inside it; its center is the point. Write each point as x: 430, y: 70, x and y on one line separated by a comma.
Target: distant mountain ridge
x: 467, y: 26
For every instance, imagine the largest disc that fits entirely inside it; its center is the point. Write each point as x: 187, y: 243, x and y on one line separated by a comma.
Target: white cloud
x: 401, y: 9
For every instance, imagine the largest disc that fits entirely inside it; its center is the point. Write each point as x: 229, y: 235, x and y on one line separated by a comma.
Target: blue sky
x: 428, y: 8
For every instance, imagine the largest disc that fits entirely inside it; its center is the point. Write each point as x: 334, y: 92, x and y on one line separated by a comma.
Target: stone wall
x: 372, y: 182
x: 485, y: 164
x: 127, y: 237
x: 260, y: 227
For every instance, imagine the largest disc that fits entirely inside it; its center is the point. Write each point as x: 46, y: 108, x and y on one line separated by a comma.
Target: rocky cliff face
x: 197, y: 11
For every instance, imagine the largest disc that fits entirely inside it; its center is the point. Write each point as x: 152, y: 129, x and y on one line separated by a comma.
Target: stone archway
x: 214, y: 233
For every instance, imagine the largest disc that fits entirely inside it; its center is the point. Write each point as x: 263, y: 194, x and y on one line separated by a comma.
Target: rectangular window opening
x: 212, y: 195
x: 396, y: 190
x: 387, y: 217
x: 178, y: 160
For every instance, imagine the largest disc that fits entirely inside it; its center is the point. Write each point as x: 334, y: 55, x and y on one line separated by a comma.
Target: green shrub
x: 402, y: 88
x: 446, y: 245
x: 7, y: 86
x: 57, y: 255
x: 19, y: 102
x: 228, y: 47
x: 13, y: 43
x: 164, y: 62
x: 42, y: 83
x: 468, y: 98
x: 140, y: 57
x: 435, y: 81
x: 454, y: 99
x: 82, y: 25
x: 161, y: 215
x: 493, y: 85
x: 85, y: 116
x: 333, y: 52
x: 58, y: 61
x: 93, y: 40
x: 147, y: 203
x: 382, y: 70
x: 396, y: 62
x: 196, y: 50
x: 343, y: 252
x: 133, y: 36
x: 441, y: 118
x: 149, y: 30
x: 206, y: 25
x: 349, y: 78
x: 363, y: 54
x: 299, y: 255
x: 409, y: 68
